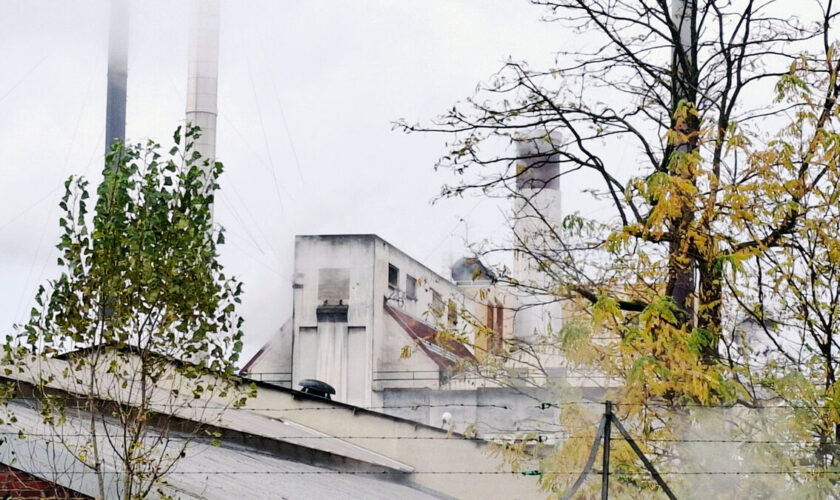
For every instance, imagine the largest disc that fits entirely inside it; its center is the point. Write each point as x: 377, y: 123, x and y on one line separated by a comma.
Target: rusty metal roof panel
x: 446, y: 353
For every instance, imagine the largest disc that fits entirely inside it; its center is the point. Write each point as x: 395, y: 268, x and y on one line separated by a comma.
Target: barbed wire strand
x: 540, y: 405
x: 478, y: 473
x: 24, y: 435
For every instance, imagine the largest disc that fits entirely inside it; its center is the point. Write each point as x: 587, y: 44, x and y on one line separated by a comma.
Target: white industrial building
x: 361, y: 305
x: 376, y: 324
x: 358, y: 302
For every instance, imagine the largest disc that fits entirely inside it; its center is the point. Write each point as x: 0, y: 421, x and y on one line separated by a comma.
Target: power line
x: 272, y: 168
x: 23, y: 78
x: 396, y: 407
x: 288, y: 132
x: 541, y: 406
x: 51, y: 250
x: 31, y: 206
x: 236, y: 216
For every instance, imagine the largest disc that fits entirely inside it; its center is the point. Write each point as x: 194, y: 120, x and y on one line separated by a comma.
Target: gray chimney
x: 117, y: 73
x: 202, y: 80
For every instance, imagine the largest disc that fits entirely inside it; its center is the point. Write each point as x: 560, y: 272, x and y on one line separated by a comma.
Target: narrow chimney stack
x: 537, y: 216
x: 202, y: 80
x: 117, y: 73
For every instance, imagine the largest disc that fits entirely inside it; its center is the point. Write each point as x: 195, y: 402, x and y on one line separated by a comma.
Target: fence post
x: 605, y: 473
x: 589, y: 462
x: 649, y: 466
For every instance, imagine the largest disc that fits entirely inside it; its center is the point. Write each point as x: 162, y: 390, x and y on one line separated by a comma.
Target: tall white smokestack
x: 117, y: 74
x: 536, y: 207
x: 202, y: 82
x: 537, y: 202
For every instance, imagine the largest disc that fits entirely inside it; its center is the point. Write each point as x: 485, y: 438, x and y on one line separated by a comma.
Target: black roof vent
x: 332, y: 312
x: 316, y: 388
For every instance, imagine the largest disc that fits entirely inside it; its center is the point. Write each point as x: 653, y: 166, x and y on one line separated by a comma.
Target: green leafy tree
x: 144, y: 310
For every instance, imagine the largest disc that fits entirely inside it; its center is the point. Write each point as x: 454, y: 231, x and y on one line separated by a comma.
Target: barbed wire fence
x: 608, y: 420
x: 603, y: 437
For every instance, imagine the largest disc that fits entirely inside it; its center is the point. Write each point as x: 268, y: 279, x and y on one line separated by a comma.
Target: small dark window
x: 393, y: 276
x: 437, y: 304
x: 410, y: 287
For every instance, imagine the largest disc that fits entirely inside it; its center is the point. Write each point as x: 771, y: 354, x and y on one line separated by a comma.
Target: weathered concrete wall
x: 364, y: 273
x: 389, y: 338
x: 334, y: 271
x: 488, y: 411
x: 274, y: 361
x: 443, y: 462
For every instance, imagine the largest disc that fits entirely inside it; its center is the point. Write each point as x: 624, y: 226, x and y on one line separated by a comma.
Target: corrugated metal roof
x: 206, y: 471
x: 184, y: 406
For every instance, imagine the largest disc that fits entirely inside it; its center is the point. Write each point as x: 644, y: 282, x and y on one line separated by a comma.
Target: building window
x: 437, y: 304
x: 410, y: 287
x: 492, y: 340
x: 393, y: 276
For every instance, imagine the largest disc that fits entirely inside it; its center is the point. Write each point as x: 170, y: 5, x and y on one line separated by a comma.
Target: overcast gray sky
x: 308, y: 92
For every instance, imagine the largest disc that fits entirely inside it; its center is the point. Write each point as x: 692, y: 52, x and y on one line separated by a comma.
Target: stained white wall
x: 338, y: 354
x: 421, y: 447
x: 364, y: 356
x: 274, y: 362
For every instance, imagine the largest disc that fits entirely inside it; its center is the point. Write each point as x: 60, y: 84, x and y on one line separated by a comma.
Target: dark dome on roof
x: 316, y: 387
x: 470, y: 270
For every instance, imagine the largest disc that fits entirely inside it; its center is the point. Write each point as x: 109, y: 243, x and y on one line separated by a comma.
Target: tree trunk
x: 684, y: 73
x: 709, y: 310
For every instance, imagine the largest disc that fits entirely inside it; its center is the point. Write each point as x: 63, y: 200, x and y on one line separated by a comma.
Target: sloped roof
x: 272, y: 352
x: 212, y: 413
x: 206, y: 471
x: 446, y: 353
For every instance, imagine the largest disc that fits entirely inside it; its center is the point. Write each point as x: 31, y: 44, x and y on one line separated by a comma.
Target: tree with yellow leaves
x: 706, y: 131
